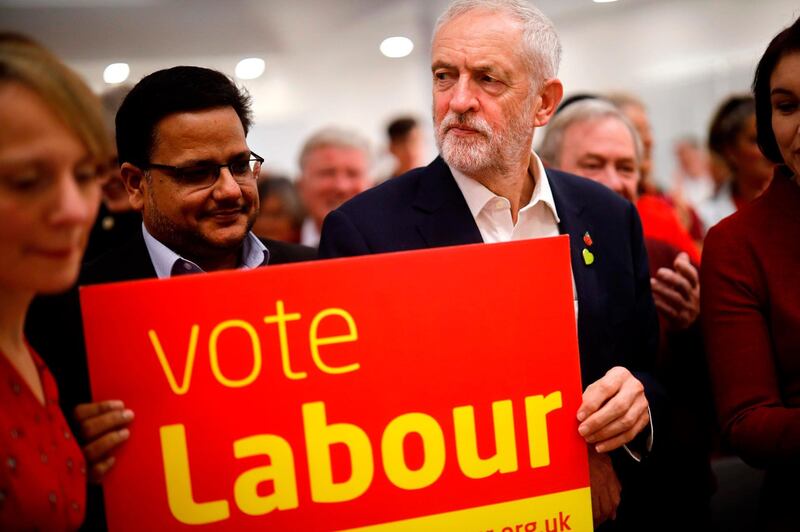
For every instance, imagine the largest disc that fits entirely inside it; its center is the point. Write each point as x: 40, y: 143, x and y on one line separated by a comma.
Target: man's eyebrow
x: 491, y: 69
x: 207, y: 161
x: 441, y: 64
x: 481, y: 69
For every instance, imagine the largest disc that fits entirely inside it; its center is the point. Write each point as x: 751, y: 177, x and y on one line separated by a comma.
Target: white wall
x: 681, y: 56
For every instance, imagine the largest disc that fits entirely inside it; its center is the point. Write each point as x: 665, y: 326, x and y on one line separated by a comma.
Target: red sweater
x: 751, y: 319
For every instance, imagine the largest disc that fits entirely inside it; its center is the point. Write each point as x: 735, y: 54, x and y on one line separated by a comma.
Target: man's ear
x: 549, y: 98
x: 135, y: 184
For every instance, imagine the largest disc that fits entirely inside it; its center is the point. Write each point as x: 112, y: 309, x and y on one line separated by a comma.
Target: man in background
x: 334, y: 167
x: 653, y: 205
x: 116, y: 221
x: 281, y: 214
x: 405, y: 144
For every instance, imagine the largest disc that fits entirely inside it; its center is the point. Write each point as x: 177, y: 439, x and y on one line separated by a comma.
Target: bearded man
x: 494, y: 66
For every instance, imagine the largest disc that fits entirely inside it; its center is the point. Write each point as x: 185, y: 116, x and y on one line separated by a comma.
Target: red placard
x: 427, y: 390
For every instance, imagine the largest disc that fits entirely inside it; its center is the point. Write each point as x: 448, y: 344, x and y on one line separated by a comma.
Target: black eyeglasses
x: 205, y: 175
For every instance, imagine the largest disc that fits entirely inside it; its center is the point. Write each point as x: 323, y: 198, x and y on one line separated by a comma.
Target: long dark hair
x: 787, y: 41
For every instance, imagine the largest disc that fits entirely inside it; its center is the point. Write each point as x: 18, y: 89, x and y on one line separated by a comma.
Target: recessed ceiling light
x: 396, y: 47
x: 250, y: 68
x: 116, y: 73
x: 603, y: 1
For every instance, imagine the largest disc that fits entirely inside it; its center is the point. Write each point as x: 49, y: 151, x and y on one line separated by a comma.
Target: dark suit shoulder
x: 284, y: 252
x: 396, y: 205
x: 398, y: 192
x: 422, y: 208
x: 127, y: 262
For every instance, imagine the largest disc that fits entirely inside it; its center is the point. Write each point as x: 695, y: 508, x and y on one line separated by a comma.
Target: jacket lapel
x: 570, y: 208
x: 137, y: 259
x: 446, y: 219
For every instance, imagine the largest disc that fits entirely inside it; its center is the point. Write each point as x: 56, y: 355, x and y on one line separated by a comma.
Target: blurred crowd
x: 144, y: 182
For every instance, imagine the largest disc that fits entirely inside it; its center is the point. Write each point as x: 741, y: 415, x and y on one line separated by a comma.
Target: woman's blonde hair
x: 24, y: 61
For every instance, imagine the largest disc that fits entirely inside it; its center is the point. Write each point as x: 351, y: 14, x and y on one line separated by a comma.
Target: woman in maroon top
x: 751, y: 298
x: 52, y: 142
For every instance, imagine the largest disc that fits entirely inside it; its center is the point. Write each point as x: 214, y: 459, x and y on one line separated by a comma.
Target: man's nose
x: 343, y: 183
x: 613, y: 180
x: 464, y: 98
x: 226, y: 186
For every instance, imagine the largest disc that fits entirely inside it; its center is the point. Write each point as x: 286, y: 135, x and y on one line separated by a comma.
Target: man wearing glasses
x: 185, y: 162
x: 187, y: 167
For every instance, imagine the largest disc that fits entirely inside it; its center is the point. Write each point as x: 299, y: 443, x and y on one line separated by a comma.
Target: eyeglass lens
x: 206, y: 175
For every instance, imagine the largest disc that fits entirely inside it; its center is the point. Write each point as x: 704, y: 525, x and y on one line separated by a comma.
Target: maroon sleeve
x: 755, y: 421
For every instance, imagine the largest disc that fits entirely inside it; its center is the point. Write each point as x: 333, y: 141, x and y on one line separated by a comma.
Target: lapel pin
x: 587, y: 239
x: 588, y: 257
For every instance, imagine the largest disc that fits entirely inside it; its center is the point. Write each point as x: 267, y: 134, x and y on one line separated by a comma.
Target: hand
x: 677, y: 293
x: 605, y: 487
x: 103, y: 427
x: 614, y: 410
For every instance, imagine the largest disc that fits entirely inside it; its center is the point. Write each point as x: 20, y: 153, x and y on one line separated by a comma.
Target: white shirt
x: 492, y: 213
x: 309, y: 234
x: 718, y: 206
x: 165, y: 261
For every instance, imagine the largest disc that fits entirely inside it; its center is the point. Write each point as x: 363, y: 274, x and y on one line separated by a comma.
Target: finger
x: 605, y: 503
x: 99, y: 470
x: 101, y: 447
x: 600, y: 505
x: 615, y: 408
x: 666, y: 309
x: 616, y: 499
x: 87, y: 410
x: 93, y: 427
x: 682, y: 257
x: 620, y: 440
x: 628, y: 421
x: 668, y: 295
x: 675, y: 281
x: 595, y: 507
x: 687, y: 270
x: 614, y: 419
x: 600, y: 391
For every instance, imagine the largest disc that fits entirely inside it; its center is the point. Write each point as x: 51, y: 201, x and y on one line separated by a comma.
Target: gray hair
x: 576, y: 113
x: 541, y: 46
x: 625, y: 99
x: 338, y: 138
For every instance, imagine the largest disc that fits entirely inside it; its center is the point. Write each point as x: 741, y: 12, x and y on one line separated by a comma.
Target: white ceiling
x: 88, y: 30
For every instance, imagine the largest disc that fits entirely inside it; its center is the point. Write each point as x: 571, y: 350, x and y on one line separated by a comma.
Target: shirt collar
x: 165, y: 261
x: 309, y: 234
x: 477, y: 195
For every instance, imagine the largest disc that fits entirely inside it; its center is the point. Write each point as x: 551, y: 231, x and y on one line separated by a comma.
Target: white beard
x: 486, y: 150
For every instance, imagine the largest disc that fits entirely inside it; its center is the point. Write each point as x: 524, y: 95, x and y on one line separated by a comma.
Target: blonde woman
x: 52, y: 146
